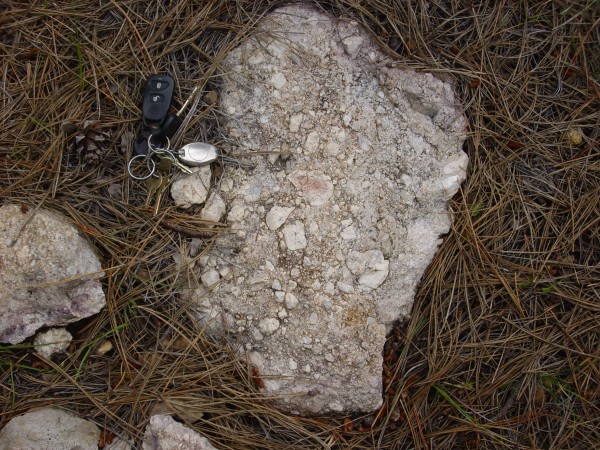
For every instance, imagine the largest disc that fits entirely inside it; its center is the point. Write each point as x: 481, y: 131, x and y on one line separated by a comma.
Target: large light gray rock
x: 49, y: 429
x: 164, y: 433
x: 330, y: 241
x: 50, y: 274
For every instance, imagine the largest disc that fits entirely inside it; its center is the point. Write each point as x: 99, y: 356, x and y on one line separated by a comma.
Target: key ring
x: 151, y: 169
x: 153, y: 150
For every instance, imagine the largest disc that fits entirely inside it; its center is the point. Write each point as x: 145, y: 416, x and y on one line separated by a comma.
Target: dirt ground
x: 502, y: 349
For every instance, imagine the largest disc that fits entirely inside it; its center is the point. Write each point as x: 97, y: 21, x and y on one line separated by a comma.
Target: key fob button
x: 159, y: 85
x: 157, y: 98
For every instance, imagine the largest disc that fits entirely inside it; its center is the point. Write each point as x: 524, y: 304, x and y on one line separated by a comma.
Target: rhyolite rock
x: 333, y: 230
x: 164, y: 433
x: 50, y: 274
x: 49, y: 429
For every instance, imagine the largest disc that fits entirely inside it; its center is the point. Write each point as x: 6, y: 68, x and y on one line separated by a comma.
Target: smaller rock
x: 294, y: 236
x: 210, y: 277
x: 455, y: 172
x: 348, y: 233
x: 54, y: 340
x: 315, y: 186
x: 345, y: 287
x: 268, y: 326
x: 374, y: 278
x: 192, y: 189
x: 104, y: 347
x: 277, y: 216
x: 574, y: 136
x: 49, y: 429
x: 352, y: 45
x: 358, y: 262
x: 164, y: 433
x: 295, y: 122
x: 291, y: 301
x: 236, y: 214
x: 214, y: 208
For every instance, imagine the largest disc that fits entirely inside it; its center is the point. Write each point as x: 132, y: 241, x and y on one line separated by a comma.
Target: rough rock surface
x: 50, y: 274
x: 49, y: 429
x: 191, y: 189
x: 164, y: 433
x: 49, y: 342
x: 332, y: 236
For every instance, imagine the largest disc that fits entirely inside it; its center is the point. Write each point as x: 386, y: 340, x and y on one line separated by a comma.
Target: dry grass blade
x: 502, y: 350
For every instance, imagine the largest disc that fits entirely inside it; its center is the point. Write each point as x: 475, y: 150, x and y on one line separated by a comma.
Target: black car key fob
x: 158, y: 95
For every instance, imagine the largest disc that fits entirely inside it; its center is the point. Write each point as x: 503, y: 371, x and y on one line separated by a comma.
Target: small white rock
x: 294, y: 236
x: 374, y: 278
x: 256, y: 334
x: 236, y: 214
x: 210, y: 277
x: 268, y: 326
x: 214, y: 209
x: 295, y: 122
x: 54, y: 340
x: 348, y: 233
x: 276, y: 285
x: 192, y: 189
x: 278, y: 80
x: 291, y: 301
x: 345, y: 287
x: 277, y: 216
x: 292, y: 364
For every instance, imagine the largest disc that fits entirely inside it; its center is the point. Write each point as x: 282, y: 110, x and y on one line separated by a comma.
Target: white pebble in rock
x: 210, y: 277
x: 268, y: 326
x: 291, y: 301
x: 294, y: 236
x: 277, y: 216
x: 164, y: 433
x: 214, y: 209
x: 345, y: 287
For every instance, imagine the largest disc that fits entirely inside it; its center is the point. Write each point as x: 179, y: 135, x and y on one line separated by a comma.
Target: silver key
x: 197, y: 154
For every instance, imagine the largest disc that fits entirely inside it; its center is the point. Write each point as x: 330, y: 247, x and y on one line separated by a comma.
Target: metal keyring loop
x: 152, y: 170
x: 153, y: 149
